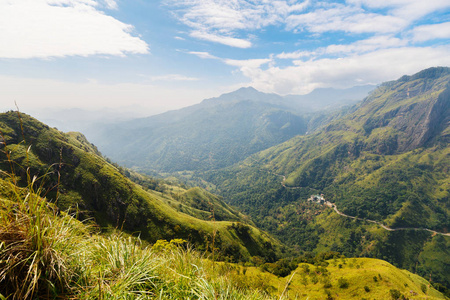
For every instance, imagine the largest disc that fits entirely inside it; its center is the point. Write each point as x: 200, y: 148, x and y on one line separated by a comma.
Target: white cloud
x: 406, y: 9
x: 367, y: 45
x: 220, y: 20
x: 225, y: 40
x: 173, y: 77
x: 344, y: 18
x: 250, y: 68
x: 227, y: 21
x: 204, y: 55
x: 111, y: 4
x: 247, y: 63
x: 296, y: 54
x: 358, y: 47
x: 431, y: 32
x: 57, y: 28
x: 369, y: 68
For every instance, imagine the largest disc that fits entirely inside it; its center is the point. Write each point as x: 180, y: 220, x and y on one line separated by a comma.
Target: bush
x: 395, y: 294
x: 329, y: 296
x: 327, y: 284
x: 343, y: 283
x: 366, y: 288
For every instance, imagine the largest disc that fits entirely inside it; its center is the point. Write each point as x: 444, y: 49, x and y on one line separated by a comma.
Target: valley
x: 383, y: 164
x: 224, y: 150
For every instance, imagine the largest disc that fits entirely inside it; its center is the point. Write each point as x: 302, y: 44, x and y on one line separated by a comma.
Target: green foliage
x: 342, y: 283
x: 163, y: 245
x: 83, y: 182
x: 395, y: 294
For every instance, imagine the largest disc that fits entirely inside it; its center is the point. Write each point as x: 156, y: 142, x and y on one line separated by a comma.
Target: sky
x: 155, y: 55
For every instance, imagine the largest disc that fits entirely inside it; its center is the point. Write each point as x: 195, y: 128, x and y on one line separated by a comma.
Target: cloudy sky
x: 160, y: 54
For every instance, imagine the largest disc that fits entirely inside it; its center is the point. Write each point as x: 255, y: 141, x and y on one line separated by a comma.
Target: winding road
x: 331, y: 205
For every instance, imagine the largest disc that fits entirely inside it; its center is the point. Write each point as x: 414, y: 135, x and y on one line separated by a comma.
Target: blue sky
x: 159, y: 55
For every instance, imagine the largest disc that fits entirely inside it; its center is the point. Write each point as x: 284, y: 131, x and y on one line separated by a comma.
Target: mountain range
x: 217, y: 132
x: 378, y: 170
x: 384, y: 159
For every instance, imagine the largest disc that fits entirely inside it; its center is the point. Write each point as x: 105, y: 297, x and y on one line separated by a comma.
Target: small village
x: 320, y: 199
x: 317, y: 198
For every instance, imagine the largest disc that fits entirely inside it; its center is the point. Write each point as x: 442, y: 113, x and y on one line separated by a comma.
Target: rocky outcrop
x: 411, y: 113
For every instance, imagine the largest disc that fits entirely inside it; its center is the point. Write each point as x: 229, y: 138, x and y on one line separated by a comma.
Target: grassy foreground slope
x: 48, y: 254
x: 387, y: 161
x: 77, y: 178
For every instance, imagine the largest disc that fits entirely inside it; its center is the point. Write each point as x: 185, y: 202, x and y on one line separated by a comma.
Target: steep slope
x: 214, y: 134
x: 388, y: 161
x: 77, y: 178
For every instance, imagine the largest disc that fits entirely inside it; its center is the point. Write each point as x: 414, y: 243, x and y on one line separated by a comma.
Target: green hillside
x: 388, y: 161
x: 353, y: 278
x: 48, y: 254
x: 77, y: 179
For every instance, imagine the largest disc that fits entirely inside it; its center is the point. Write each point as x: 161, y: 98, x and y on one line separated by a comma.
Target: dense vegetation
x: 78, y: 179
x: 387, y: 161
x: 48, y: 254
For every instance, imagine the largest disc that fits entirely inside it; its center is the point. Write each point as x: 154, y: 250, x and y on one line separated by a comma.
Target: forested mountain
x: 78, y: 179
x: 219, y: 131
x: 216, y: 133
x: 388, y: 161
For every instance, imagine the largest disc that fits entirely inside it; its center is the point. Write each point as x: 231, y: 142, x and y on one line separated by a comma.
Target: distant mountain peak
x: 247, y: 88
x: 244, y: 92
x: 248, y: 93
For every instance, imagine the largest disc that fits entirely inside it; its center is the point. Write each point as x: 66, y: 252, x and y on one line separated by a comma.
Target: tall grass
x: 30, y: 236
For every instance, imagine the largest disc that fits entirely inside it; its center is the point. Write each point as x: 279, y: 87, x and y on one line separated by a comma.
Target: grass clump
x: 33, y: 242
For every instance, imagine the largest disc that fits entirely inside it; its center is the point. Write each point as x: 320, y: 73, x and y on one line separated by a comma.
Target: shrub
x: 343, y: 283
x: 329, y: 296
x: 395, y: 294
